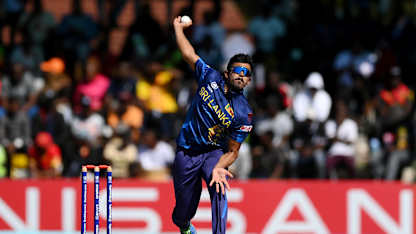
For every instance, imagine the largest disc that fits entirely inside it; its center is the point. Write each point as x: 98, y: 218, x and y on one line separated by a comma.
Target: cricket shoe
x: 190, y: 230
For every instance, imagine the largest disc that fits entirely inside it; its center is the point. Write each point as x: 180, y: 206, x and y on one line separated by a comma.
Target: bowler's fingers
x: 222, y: 188
x: 188, y: 24
x: 212, y: 182
x: 230, y: 174
x: 177, y: 19
x: 227, y: 185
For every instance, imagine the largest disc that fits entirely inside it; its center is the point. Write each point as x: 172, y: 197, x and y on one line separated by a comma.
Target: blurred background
x: 102, y: 82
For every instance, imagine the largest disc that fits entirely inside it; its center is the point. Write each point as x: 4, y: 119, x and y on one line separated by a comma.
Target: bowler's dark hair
x: 240, y: 58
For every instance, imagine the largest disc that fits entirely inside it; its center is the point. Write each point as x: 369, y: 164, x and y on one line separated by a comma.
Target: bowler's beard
x: 233, y: 83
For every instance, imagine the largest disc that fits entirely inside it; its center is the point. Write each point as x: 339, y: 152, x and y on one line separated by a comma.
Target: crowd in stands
x: 333, y: 89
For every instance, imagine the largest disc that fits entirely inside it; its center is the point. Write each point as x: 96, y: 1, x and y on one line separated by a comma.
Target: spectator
x: 275, y: 86
x: 3, y: 154
x: 279, y: 122
x: 123, y: 82
x: 56, y: 80
x: 22, y: 85
x: 76, y: 31
x: 51, y: 121
x: 12, y: 11
x: 211, y: 27
x: 87, y: 129
x: 155, y: 156
x: 146, y: 37
x: 88, y: 124
x: 45, y: 157
x: 120, y: 151
x: 3, y: 162
x: 15, y: 130
x: 159, y: 97
x: 307, y: 158
x: 59, y: 85
x: 311, y: 108
x: 342, y: 132
x: 84, y: 154
x: 212, y: 54
x: 363, y: 166
x: 313, y: 101
x: 24, y: 53
x: 124, y: 105
x: 94, y: 87
x: 15, y: 138
x: 395, y: 103
x: 409, y: 174
x: 38, y: 25
x: 266, y: 29
x: 128, y: 112
x: 350, y: 61
x: 268, y: 161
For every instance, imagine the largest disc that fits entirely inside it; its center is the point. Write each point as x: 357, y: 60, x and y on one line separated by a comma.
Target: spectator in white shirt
x: 313, y: 101
x: 155, y: 157
x: 311, y: 108
x: 88, y: 124
x: 343, y: 132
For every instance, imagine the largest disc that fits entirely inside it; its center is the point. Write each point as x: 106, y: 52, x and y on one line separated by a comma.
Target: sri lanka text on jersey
x: 207, y: 98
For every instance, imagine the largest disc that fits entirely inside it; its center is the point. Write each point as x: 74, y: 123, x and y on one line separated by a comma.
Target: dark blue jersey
x: 214, y: 117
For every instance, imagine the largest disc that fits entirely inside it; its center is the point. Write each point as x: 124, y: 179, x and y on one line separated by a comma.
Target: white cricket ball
x: 186, y: 19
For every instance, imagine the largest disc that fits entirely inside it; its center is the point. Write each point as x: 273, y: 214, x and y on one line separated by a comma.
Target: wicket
x: 96, y: 197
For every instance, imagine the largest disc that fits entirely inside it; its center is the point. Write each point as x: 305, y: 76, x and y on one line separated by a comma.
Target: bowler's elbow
x: 234, y: 155
x: 190, y: 58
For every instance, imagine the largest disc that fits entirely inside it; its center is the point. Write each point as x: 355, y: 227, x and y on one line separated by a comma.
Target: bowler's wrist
x: 178, y: 28
x: 219, y: 168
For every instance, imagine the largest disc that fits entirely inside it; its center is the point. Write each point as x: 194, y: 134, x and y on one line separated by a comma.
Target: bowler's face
x: 239, y: 76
